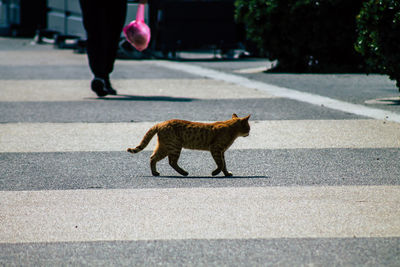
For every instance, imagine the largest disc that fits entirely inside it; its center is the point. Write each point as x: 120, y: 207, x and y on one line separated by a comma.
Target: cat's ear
x: 246, y: 118
x: 234, y: 116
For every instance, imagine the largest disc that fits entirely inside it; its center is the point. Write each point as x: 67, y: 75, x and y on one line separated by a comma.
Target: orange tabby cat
x: 173, y: 135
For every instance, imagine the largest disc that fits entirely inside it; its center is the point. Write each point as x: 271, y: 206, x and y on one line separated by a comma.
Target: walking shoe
x: 98, y: 86
x: 108, y: 87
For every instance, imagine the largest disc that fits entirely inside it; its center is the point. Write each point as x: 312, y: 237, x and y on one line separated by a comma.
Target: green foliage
x: 378, y: 26
x: 303, y: 35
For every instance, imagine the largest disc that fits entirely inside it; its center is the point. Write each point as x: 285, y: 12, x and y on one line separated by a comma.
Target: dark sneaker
x: 108, y: 87
x: 98, y: 86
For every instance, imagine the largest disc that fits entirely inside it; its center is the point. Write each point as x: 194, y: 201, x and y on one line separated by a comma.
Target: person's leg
x: 116, y: 19
x: 103, y: 22
x: 94, y: 14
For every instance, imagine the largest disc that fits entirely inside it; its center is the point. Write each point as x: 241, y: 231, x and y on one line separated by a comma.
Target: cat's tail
x: 145, y: 141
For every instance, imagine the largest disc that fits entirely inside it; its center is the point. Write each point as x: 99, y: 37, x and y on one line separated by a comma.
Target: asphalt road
x: 311, y: 185
x: 355, y: 88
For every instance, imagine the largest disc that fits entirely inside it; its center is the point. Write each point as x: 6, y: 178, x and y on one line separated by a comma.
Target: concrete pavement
x: 312, y: 185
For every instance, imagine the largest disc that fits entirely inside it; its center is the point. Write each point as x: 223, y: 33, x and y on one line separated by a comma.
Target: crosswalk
x: 300, y: 179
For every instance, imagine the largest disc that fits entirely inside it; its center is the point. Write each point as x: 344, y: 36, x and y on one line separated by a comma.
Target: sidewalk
x: 375, y: 91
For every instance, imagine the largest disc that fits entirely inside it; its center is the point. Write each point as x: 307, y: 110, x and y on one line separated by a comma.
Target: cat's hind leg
x: 217, y: 156
x: 158, y: 154
x: 173, y: 158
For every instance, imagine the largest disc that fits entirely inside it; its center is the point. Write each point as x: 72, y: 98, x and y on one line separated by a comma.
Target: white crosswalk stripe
x: 62, y: 137
x: 199, y: 213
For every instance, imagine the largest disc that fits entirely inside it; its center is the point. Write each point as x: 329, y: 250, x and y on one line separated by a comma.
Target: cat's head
x: 244, y: 126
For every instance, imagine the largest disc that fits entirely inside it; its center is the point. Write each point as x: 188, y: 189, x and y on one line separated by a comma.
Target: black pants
x: 103, y: 22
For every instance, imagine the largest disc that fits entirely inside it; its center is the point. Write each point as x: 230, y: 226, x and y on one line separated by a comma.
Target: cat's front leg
x: 218, y: 158
x: 224, y: 170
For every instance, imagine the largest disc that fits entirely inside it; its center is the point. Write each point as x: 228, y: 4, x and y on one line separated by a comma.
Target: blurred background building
x: 176, y: 25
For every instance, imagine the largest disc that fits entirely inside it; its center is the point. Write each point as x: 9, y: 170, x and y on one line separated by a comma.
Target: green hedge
x: 304, y: 35
x: 378, y: 26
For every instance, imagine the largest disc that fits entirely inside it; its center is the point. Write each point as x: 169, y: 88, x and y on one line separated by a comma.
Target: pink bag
x: 137, y: 32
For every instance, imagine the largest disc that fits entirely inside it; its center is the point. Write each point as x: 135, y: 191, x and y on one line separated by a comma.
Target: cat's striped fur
x: 173, y: 135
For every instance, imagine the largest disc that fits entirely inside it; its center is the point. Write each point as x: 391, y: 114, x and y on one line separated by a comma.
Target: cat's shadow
x: 124, y: 97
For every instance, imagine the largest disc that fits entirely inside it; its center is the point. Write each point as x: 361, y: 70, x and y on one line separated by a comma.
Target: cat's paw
x: 228, y: 174
x: 133, y: 150
x: 216, y: 172
x: 155, y: 173
x: 185, y: 173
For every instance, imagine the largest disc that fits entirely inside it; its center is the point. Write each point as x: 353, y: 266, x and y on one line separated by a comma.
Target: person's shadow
x: 391, y: 102
x: 123, y: 97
